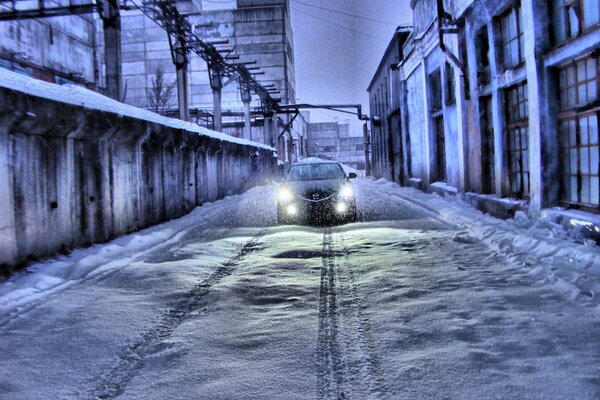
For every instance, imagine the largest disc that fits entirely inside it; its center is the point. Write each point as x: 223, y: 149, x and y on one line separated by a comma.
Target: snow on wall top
x: 79, y: 96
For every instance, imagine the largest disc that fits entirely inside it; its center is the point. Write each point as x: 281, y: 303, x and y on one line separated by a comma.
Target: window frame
x: 517, y: 138
x: 575, y: 145
x: 506, y: 42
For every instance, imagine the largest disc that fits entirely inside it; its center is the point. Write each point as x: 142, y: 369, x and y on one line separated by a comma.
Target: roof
x: 400, y: 36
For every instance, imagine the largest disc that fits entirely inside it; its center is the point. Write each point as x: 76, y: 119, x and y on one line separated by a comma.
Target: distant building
x: 334, y: 141
x: 385, y: 102
x: 58, y: 49
x: 257, y: 31
x: 507, y: 107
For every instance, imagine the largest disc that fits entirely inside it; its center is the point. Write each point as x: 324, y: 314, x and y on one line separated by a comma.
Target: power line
x: 341, y: 26
x: 344, y: 13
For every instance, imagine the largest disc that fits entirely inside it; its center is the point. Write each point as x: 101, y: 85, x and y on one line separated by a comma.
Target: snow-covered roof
x: 80, y: 96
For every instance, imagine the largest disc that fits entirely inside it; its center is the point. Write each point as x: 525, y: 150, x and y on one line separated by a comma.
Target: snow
x: 531, y: 242
x: 423, y: 298
x: 444, y: 186
x: 80, y: 96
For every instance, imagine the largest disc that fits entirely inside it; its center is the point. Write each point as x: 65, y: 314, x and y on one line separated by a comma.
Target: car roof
x: 315, y: 161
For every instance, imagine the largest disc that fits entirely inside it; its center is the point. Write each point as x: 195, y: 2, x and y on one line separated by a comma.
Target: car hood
x: 315, y: 190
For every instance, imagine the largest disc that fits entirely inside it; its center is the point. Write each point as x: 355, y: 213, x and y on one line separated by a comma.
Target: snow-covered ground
x: 423, y: 298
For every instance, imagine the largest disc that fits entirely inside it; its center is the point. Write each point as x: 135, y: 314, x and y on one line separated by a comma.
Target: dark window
x: 450, y: 85
x: 572, y: 17
x: 511, y: 37
x: 578, y: 130
x: 464, y: 59
x: 440, y: 149
x: 435, y: 90
x: 517, y: 139
x: 488, y: 172
x: 483, y: 56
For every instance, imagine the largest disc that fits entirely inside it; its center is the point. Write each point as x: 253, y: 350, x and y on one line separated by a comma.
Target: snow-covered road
x: 423, y: 298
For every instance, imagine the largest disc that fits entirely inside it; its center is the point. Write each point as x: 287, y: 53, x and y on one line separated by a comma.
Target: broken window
x: 573, y: 17
x: 483, y: 56
x: 488, y: 174
x: 517, y: 138
x: 511, y: 37
x: 578, y: 131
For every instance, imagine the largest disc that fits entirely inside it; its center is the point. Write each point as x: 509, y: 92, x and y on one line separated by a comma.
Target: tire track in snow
x: 347, y: 361
x: 112, y: 384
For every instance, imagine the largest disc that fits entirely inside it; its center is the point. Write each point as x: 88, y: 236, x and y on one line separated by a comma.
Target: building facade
x: 503, y: 101
x: 385, y: 102
x: 59, y: 49
x: 335, y: 141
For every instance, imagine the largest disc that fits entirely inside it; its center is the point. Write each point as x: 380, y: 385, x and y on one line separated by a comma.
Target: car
x: 316, y: 192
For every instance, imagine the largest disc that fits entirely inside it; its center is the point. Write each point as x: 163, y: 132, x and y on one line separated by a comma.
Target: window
x: 435, y: 90
x: 573, y: 17
x: 450, y: 85
x: 511, y: 37
x: 488, y: 173
x: 517, y: 139
x: 483, y: 56
x: 579, y: 83
x: 578, y: 131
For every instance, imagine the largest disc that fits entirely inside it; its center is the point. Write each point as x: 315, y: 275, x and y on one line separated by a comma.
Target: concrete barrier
x: 72, y: 175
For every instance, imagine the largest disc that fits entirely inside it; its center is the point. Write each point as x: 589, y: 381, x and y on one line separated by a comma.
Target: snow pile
x: 551, y: 252
x: 79, y: 96
x: 23, y: 290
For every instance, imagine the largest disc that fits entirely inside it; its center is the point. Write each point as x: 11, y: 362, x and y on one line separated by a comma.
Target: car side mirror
x: 352, y: 175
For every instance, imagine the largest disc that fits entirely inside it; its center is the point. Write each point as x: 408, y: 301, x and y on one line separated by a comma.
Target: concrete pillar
x: 8, y: 239
x: 274, y: 131
x: 268, y: 128
x: 112, y: 51
x: 427, y: 136
x: 180, y: 60
x: 367, y: 141
x: 216, y: 86
x: 246, y: 99
x: 247, y: 122
x: 500, y: 161
x: 535, y: 81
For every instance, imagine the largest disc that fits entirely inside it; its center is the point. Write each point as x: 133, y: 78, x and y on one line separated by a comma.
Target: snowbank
x: 552, y: 253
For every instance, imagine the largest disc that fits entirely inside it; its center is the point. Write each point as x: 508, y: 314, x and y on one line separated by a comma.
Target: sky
x: 337, y: 52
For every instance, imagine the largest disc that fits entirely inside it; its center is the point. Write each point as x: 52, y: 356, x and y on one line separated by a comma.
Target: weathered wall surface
x: 71, y: 176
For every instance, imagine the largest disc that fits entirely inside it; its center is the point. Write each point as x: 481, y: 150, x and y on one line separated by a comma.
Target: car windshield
x: 310, y: 172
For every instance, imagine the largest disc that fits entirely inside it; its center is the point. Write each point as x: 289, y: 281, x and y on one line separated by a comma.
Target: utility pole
x: 111, y: 21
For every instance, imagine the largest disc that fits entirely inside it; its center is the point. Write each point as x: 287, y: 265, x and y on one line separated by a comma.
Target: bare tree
x: 160, y: 95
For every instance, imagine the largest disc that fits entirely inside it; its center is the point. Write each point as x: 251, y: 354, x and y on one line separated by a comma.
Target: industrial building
x: 128, y: 53
x: 502, y: 104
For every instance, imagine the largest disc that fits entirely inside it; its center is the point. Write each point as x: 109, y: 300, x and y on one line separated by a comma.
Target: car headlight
x: 284, y: 195
x: 347, y: 191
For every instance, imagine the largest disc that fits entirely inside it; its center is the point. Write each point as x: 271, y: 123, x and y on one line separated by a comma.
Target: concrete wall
x: 71, y: 176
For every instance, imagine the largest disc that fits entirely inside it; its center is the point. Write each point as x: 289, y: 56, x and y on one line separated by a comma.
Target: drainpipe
x: 442, y: 30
